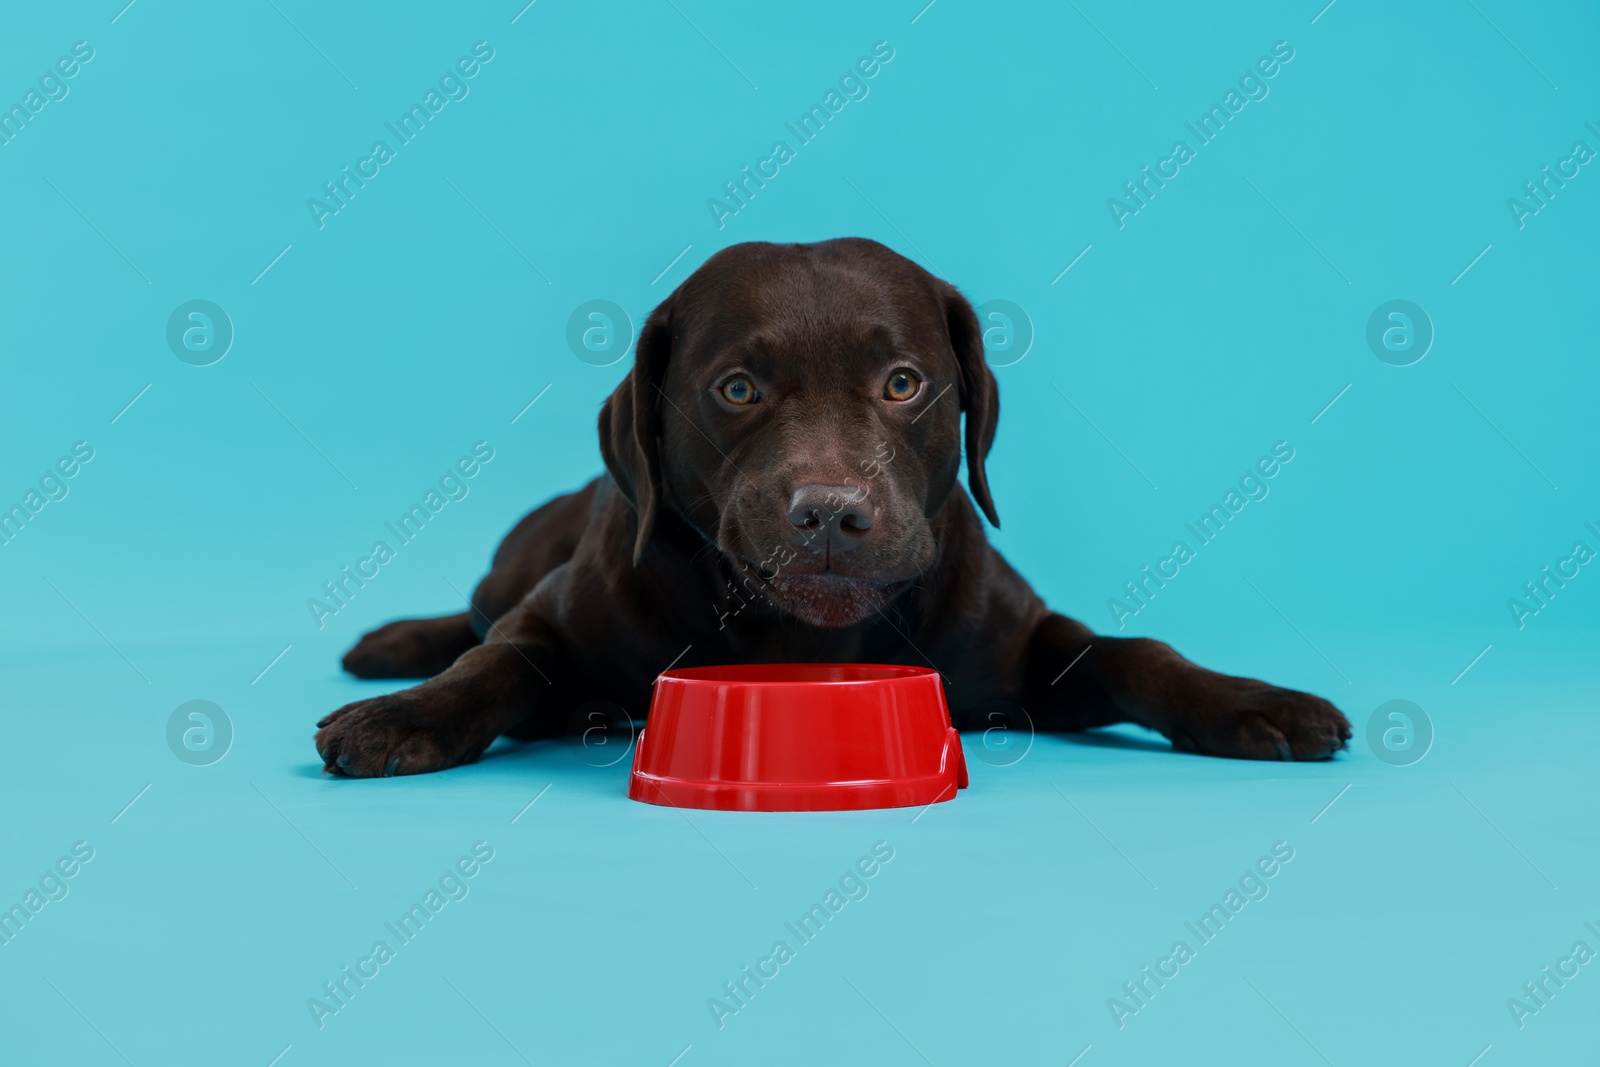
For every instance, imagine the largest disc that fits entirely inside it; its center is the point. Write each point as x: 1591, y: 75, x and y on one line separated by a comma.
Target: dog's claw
x: 392, y: 766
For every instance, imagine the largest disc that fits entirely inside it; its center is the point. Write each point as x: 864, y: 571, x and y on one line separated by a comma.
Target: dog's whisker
x: 702, y: 433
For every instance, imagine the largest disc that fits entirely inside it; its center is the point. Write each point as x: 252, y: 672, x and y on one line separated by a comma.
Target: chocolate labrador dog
x: 782, y: 486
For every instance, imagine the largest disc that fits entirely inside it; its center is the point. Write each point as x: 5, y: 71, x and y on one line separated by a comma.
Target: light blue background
x: 422, y: 318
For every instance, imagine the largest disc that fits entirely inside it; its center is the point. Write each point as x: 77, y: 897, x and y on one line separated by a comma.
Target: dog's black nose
x: 831, y: 510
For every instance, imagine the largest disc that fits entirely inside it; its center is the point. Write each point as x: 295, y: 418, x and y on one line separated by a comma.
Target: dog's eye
x: 739, y: 390
x: 902, y: 385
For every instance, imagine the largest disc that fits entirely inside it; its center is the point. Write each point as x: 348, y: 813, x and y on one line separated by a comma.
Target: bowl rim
x: 730, y: 674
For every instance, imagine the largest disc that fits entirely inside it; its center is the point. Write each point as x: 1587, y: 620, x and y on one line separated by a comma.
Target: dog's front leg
x: 451, y: 718
x: 1077, y: 679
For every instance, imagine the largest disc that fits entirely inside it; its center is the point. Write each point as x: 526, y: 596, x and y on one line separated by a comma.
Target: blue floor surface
x: 1404, y: 906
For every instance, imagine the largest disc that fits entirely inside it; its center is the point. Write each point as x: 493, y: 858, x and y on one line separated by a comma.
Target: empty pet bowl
x: 798, y: 737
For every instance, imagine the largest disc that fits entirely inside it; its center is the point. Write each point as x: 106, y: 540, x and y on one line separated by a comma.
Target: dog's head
x: 800, y: 406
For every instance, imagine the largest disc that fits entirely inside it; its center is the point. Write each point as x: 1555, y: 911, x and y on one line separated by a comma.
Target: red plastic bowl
x: 798, y: 737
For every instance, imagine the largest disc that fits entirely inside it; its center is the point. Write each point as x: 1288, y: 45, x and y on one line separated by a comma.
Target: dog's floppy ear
x: 980, y: 396
x: 630, y: 425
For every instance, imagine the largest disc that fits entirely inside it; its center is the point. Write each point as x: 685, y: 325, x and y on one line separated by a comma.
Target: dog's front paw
x: 390, y: 735
x: 1248, y: 719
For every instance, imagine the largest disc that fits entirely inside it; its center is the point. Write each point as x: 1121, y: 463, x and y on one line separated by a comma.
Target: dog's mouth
x: 823, y: 598
x: 829, y: 599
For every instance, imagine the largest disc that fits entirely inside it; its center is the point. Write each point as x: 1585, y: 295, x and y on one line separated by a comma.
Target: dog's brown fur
x: 822, y: 522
